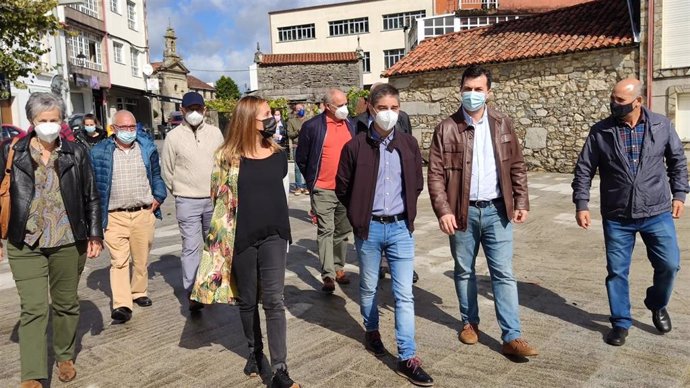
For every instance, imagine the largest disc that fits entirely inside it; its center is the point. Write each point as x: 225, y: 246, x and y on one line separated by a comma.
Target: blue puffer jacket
x: 102, y: 159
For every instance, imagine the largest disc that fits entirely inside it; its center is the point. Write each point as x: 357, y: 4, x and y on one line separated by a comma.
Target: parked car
x: 9, y: 132
x: 175, y: 119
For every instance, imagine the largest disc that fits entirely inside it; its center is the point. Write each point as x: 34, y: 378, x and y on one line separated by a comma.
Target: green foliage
x: 226, y: 88
x: 282, y: 104
x: 353, y: 96
x: 23, y: 23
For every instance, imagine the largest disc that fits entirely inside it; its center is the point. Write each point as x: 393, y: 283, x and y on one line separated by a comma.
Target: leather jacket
x: 77, y: 186
x: 450, y: 166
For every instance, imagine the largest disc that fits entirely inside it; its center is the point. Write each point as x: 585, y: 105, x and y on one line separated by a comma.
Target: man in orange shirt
x: 317, y: 156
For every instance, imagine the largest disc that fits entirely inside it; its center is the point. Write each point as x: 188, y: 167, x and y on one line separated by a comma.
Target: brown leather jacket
x: 450, y: 166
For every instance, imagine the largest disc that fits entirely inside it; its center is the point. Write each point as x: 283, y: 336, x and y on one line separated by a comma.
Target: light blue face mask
x: 90, y: 128
x: 473, y: 101
x: 126, y: 137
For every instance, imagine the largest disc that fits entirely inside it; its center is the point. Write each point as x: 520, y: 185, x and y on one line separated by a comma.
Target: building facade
x: 377, y: 27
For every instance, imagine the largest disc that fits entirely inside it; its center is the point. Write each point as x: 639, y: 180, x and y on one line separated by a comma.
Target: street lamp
x: 81, y: 59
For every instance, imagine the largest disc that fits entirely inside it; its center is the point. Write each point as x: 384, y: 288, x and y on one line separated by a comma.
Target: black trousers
x: 263, y: 263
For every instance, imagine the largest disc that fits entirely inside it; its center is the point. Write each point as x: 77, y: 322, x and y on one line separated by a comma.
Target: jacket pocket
x: 453, y: 157
x: 506, y: 146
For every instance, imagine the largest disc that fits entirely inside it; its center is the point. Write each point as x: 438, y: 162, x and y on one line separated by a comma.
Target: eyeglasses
x: 129, y: 128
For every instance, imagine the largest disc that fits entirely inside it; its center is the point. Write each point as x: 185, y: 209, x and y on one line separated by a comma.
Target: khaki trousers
x: 129, y: 237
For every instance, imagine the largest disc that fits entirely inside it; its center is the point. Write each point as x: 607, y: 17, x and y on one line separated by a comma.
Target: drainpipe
x: 105, y: 92
x: 650, y: 51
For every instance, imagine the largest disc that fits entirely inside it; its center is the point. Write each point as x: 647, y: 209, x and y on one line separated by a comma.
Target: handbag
x: 5, y: 192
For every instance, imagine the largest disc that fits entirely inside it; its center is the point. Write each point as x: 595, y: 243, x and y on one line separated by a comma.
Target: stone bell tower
x: 170, y: 52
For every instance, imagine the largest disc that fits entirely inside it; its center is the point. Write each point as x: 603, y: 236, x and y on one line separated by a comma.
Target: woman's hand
x: 94, y: 247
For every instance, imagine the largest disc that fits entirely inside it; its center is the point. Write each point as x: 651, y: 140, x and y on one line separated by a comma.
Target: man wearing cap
x: 187, y: 164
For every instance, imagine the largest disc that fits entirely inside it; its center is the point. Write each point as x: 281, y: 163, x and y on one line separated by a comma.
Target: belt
x: 390, y: 219
x: 483, y: 204
x: 131, y: 209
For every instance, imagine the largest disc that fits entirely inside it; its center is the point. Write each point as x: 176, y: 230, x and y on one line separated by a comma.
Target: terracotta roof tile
x: 303, y: 58
x: 588, y: 26
x: 156, y: 65
x: 197, y: 84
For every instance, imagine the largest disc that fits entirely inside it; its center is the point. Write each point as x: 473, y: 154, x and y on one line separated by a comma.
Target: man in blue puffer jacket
x: 128, y: 178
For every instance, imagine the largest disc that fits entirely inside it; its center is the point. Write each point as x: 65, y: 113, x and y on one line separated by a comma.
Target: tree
x: 23, y: 23
x: 226, y: 88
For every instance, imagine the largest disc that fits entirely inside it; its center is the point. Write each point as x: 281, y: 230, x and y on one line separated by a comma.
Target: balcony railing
x: 478, y: 4
x: 85, y: 63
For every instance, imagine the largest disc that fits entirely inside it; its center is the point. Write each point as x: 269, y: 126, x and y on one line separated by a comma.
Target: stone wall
x: 553, y: 101
x: 307, y: 82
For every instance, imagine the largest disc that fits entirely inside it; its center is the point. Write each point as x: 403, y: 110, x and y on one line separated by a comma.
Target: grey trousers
x: 194, y: 219
x: 332, y: 230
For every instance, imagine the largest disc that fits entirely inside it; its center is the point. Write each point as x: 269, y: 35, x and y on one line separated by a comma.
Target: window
x: 348, y: 27
x: 117, y: 52
x: 89, y: 7
x: 115, y: 6
x: 390, y: 57
x: 88, y: 45
x: 439, y: 26
x: 131, y: 15
x: 675, y: 46
x: 486, y: 4
x: 683, y: 116
x: 124, y: 103
x: 286, y: 34
x: 134, y: 58
x: 397, y: 21
x: 467, y: 23
x: 366, y: 62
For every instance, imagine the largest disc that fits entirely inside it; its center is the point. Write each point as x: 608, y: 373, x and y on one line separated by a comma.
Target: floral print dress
x: 214, y: 282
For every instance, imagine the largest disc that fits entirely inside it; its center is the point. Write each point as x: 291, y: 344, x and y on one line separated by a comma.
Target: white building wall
x: 119, y: 32
x: 375, y: 41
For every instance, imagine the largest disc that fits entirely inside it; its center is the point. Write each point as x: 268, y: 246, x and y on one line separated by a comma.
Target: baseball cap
x: 192, y: 98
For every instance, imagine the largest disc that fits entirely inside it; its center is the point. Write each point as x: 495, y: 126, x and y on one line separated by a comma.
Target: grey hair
x: 328, y: 98
x: 40, y: 102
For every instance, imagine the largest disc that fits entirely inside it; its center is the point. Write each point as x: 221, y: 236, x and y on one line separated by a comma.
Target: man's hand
x: 94, y: 247
x: 448, y: 224
x: 583, y: 219
x: 678, y: 207
x: 520, y: 216
x: 155, y: 205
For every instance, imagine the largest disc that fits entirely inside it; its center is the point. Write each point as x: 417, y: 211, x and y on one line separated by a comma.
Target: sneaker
x: 469, y: 334
x: 328, y: 285
x: 281, y: 379
x: 253, y: 366
x: 341, y: 278
x: 518, y: 347
x: 411, y: 369
x: 373, y: 343
x: 305, y: 191
x: 297, y: 192
x: 415, y: 277
x: 66, y: 371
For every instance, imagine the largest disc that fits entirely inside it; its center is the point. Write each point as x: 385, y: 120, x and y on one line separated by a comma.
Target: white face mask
x: 386, y: 119
x: 47, y: 132
x: 194, y: 118
x: 342, y: 112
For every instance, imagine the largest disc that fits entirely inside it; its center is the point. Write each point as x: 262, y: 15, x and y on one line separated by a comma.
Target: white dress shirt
x: 484, y: 185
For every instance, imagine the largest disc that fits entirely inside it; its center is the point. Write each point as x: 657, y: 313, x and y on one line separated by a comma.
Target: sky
x: 215, y: 37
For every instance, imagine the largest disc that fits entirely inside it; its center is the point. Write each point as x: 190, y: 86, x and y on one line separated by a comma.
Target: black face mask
x: 620, y: 110
x: 270, y: 125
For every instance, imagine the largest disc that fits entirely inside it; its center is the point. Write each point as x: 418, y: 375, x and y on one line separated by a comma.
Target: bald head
x: 629, y: 87
x: 124, y: 118
x: 335, y: 96
x: 626, y: 100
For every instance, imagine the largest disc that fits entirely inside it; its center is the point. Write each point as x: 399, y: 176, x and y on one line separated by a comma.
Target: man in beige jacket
x: 187, y: 164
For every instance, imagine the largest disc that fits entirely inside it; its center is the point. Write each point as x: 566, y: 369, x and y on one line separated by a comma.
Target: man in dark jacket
x: 641, y: 164
x: 321, y: 140
x: 379, y: 180
x: 128, y: 177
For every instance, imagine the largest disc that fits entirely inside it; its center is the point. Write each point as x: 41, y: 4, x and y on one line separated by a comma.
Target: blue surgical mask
x: 300, y: 113
x: 473, y: 101
x: 90, y: 128
x: 126, y: 137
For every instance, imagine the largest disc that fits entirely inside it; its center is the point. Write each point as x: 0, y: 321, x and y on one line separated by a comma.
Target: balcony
x: 431, y: 26
x: 478, y: 4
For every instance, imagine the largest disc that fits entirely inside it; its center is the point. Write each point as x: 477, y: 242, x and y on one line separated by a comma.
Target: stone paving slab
x: 560, y: 269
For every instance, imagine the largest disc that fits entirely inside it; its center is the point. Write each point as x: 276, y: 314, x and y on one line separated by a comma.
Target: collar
x: 189, y: 126
x: 333, y: 121
x: 470, y: 121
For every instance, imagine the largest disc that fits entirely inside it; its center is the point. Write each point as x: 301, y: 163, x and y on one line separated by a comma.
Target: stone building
x: 552, y: 73
x: 306, y: 77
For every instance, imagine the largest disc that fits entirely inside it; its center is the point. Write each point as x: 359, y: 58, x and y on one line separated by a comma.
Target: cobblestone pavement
x: 560, y: 269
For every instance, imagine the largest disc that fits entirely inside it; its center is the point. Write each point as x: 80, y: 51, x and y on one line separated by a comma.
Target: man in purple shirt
x: 379, y: 179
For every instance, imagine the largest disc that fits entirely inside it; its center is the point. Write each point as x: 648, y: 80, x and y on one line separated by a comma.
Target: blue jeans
x: 491, y: 228
x: 659, y: 236
x: 397, y: 242
x: 299, y: 179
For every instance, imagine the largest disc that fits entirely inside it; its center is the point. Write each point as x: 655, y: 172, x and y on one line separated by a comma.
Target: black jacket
x: 361, y: 122
x: 662, y: 171
x: 77, y: 186
x: 357, y: 173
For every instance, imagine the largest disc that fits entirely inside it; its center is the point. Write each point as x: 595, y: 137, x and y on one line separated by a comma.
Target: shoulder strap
x: 10, y: 156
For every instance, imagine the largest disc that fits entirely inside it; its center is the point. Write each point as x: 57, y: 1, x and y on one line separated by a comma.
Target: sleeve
x: 677, y: 165
x: 418, y: 167
x: 436, y: 177
x: 168, y: 164
x: 346, y: 169
x: 90, y: 196
x: 158, y: 186
x: 518, y: 173
x: 302, y: 151
x: 585, y: 168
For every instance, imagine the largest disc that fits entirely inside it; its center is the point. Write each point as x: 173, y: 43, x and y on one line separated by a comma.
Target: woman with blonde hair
x: 246, y: 248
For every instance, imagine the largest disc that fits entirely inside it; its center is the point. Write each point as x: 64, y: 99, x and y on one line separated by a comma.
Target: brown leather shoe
x: 341, y: 277
x: 66, y: 371
x: 469, y: 334
x: 31, y: 384
x: 328, y: 285
x: 518, y: 347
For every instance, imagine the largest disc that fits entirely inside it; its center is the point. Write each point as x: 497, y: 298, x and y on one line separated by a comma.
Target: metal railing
x: 478, y: 4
